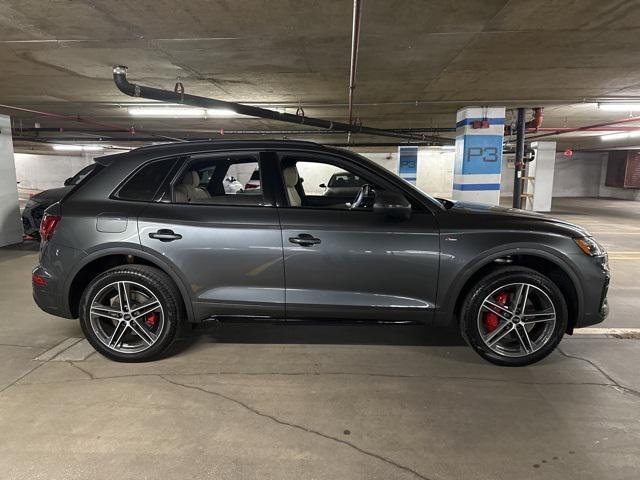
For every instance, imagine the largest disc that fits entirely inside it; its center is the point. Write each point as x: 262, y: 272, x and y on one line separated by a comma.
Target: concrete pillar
x: 478, y: 160
x: 541, y: 169
x: 10, y: 222
x: 408, y: 163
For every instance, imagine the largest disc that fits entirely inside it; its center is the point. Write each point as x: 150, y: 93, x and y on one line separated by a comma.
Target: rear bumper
x: 46, y: 297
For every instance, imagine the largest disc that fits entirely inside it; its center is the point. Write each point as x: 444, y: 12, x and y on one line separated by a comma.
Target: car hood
x: 52, y: 195
x: 503, y: 216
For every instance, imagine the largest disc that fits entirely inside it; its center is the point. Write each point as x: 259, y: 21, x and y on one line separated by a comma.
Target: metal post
x: 517, y: 182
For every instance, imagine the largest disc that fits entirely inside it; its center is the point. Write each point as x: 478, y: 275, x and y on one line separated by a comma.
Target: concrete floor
x: 305, y: 402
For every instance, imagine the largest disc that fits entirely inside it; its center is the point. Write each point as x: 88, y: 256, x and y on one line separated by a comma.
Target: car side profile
x: 151, y: 240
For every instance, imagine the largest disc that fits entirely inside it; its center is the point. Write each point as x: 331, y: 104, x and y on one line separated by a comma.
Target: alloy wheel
x: 126, y: 317
x: 516, y: 320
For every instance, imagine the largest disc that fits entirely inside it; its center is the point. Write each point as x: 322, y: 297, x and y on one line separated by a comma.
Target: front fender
x: 456, y: 270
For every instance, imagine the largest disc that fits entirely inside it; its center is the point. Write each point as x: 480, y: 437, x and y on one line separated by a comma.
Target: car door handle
x: 305, y: 240
x: 165, y: 235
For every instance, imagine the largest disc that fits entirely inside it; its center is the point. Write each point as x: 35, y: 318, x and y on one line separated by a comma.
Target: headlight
x: 31, y: 204
x: 589, y: 246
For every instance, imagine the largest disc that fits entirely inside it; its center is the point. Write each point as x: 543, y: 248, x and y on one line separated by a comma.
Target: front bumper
x: 597, y: 290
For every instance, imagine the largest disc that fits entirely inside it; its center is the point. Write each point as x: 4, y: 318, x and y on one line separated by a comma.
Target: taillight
x: 38, y: 280
x: 48, y: 225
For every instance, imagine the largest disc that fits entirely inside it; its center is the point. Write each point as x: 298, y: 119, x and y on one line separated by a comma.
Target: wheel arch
x: 105, y: 259
x: 545, y: 262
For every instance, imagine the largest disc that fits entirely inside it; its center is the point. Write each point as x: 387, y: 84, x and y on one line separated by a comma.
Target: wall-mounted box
x: 623, y: 169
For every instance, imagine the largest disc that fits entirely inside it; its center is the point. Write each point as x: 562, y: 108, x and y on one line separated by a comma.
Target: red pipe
x: 536, y: 121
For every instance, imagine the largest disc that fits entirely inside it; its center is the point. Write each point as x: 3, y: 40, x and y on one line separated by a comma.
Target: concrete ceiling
x: 419, y: 60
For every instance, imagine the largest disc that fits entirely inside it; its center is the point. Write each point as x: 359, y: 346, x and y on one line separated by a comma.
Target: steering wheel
x: 365, y: 194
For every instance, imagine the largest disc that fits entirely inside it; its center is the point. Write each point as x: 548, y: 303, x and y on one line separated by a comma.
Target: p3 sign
x: 485, y: 154
x: 482, y: 154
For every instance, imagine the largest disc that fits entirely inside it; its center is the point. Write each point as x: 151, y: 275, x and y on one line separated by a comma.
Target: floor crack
x: 614, y: 383
x: 296, y: 426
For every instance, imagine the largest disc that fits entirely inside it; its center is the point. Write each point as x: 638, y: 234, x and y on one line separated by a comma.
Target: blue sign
x: 408, y: 163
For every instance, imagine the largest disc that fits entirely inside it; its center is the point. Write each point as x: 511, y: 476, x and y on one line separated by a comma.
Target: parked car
x: 343, y: 183
x: 254, y: 181
x: 34, y: 208
x: 134, y: 254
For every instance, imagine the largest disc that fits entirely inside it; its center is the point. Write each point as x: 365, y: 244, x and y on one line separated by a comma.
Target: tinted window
x: 78, y: 177
x: 144, y: 184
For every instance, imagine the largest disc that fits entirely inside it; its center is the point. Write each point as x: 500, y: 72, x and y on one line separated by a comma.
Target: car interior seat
x: 188, y: 189
x: 291, y: 180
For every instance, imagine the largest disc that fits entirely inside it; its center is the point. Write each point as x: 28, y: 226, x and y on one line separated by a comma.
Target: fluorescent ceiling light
x: 186, y: 112
x: 621, y: 136
x: 182, y: 112
x: 78, y: 148
x: 619, y: 107
x: 221, y: 112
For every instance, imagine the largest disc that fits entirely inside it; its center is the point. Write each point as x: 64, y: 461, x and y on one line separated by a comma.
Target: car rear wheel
x: 131, y: 313
x: 514, y: 316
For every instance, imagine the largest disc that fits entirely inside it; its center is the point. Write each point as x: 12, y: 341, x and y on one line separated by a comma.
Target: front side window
x: 229, y: 179
x: 321, y: 184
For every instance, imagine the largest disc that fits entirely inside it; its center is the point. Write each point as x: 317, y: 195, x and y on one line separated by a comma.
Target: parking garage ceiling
x: 419, y: 61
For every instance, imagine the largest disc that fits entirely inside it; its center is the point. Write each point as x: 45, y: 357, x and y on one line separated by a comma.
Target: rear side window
x: 144, y: 184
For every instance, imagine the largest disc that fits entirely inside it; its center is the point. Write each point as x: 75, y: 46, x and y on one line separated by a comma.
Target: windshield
x: 344, y: 179
x: 78, y: 177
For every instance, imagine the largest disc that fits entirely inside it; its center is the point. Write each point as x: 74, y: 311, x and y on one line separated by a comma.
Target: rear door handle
x: 304, y: 240
x: 165, y: 235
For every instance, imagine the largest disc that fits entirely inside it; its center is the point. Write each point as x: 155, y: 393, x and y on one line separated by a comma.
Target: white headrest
x: 191, y: 178
x: 290, y: 176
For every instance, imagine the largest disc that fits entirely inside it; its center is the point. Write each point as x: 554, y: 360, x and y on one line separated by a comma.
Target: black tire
x: 160, y: 285
x: 503, y: 277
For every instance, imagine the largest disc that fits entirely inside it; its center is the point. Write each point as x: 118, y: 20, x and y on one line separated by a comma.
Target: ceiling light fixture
x: 619, y: 106
x: 621, y: 136
x: 181, y: 112
x: 78, y: 148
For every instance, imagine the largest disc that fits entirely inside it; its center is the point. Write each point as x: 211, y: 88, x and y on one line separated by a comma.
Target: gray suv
x: 151, y: 240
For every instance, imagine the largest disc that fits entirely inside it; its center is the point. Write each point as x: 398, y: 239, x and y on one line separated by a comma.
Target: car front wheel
x: 130, y: 313
x: 514, y: 316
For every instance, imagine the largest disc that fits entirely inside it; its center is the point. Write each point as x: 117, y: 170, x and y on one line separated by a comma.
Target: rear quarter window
x: 143, y: 185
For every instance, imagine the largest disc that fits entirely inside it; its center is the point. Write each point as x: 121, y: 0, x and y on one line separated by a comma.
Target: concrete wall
x: 435, y: 168
x: 578, y: 176
x: 41, y: 172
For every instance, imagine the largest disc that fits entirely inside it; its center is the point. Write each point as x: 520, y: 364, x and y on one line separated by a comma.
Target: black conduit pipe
x: 517, y: 182
x: 134, y: 90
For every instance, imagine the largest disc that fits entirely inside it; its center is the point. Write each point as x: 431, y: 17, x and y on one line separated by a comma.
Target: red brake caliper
x: 491, y: 320
x: 151, y: 319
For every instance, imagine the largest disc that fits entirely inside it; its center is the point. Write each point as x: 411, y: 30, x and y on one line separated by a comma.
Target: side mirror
x: 322, y: 185
x: 68, y: 181
x: 392, y: 204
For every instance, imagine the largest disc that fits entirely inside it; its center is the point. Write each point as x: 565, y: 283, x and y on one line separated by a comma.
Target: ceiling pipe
x: 355, y: 45
x: 134, y: 90
x: 231, y: 132
x: 49, y: 140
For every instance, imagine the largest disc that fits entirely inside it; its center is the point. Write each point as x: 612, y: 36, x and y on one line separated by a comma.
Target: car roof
x: 178, y: 148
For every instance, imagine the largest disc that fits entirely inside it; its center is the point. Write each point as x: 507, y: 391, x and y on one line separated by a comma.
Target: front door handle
x: 304, y: 240
x: 165, y: 235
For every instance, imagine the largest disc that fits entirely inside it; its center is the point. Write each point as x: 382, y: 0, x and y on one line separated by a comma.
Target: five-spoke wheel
x: 514, y: 316
x: 130, y: 313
